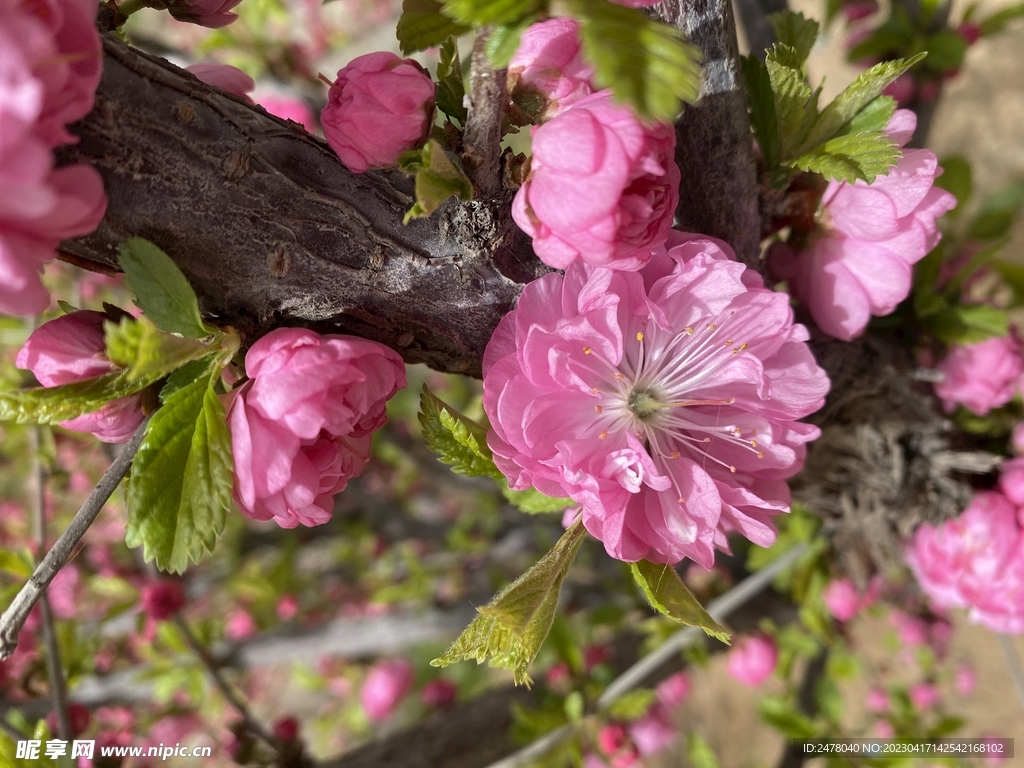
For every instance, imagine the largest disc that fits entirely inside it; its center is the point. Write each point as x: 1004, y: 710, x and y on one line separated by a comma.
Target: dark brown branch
x: 714, y: 149
x: 272, y: 230
x: 482, y: 140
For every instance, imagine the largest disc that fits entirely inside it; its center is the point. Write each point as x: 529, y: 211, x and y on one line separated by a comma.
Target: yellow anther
x: 688, y: 331
x: 753, y: 443
x: 739, y: 349
x: 586, y: 350
x: 712, y: 326
x: 639, y: 336
x: 727, y: 343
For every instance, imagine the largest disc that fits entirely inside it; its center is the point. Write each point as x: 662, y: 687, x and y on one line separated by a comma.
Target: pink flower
x: 439, y: 693
x: 49, y: 70
x: 163, y: 598
x: 901, y: 89
x: 301, y: 427
x: 674, y: 690
x: 911, y: 630
x: 883, y: 730
x: 549, y: 67
x: 861, y: 263
x: 970, y: 32
x: 878, y: 701
x: 752, y: 660
x: 611, y: 738
x: 385, y: 687
x: 64, y: 592
x: 379, y: 106
x: 1017, y: 438
x: 924, y: 696
x: 965, y: 680
x: 602, y: 188
x: 653, y: 732
x: 1011, y: 480
x: 981, y: 376
x: 224, y: 76
x: 286, y: 728
x: 240, y: 625
x: 842, y: 599
x: 207, y: 13
x: 174, y: 729
x: 662, y: 401
x: 287, y: 608
x: 289, y: 108
x: 859, y: 9
x: 72, y: 348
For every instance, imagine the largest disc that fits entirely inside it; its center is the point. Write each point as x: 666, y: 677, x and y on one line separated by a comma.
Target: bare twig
x: 200, y: 650
x: 482, y: 139
x: 719, y: 608
x: 37, y: 493
x: 1013, y: 662
x: 13, y: 619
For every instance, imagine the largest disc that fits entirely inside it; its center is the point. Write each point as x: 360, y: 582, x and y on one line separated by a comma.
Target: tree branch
x: 714, y: 147
x: 482, y: 139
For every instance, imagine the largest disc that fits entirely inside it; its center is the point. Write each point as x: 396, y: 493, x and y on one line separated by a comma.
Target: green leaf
x: 188, y: 373
x: 795, y: 103
x: 511, y: 629
x: 699, y: 753
x: 437, y: 179
x: 50, y: 405
x: 504, y: 41
x: 946, y: 50
x: 851, y: 157
x: 956, y: 179
x: 998, y: 21
x: 455, y: 439
x: 668, y: 595
x: 968, y: 323
x: 784, y: 717
x: 16, y: 563
x: 450, y: 87
x: 761, y: 101
x: 795, y: 31
x: 422, y: 26
x: 146, y: 351
x: 862, y: 91
x: 534, y: 502
x: 631, y: 706
x: 646, y: 63
x: 179, y: 492
x: 477, y: 13
x: 162, y: 290
x: 874, y: 117
x: 997, y: 214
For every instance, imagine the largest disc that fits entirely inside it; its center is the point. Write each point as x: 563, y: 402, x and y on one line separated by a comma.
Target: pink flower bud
x: 72, y: 348
x: 674, y: 690
x: 207, y: 13
x: 595, y: 654
x: 379, y: 106
x: 162, y: 599
x: 965, y: 680
x: 653, y: 732
x: 859, y: 9
x: 385, y: 687
x: 970, y: 32
x: 883, y: 730
x: 549, y: 66
x: 224, y: 76
x: 912, y: 631
x: 286, y: 729
x: 287, y: 608
x: 611, y: 738
x: 557, y: 674
x: 752, y: 660
x: 240, y: 625
x: 64, y: 592
x: 602, y: 188
x: 924, y: 696
x: 877, y: 701
x: 439, y: 693
x: 842, y: 599
x: 981, y: 376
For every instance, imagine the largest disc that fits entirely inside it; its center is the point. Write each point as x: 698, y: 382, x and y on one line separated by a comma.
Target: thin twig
x: 1013, y: 661
x: 13, y: 619
x: 58, y: 686
x: 482, y: 138
x: 200, y: 650
x: 719, y: 608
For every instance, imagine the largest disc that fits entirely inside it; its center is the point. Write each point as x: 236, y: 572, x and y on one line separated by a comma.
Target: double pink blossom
x: 975, y: 561
x: 378, y: 107
x: 301, y: 426
x: 602, y: 188
x: 50, y: 64
x: 548, y: 73
x: 981, y: 376
x: 72, y: 348
x: 664, y: 402
x: 384, y: 688
x: 860, y: 264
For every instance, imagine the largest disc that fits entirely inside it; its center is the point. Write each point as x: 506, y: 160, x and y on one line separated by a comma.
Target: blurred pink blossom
x: 224, y: 76
x: 207, y: 13
x: 674, y: 690
x: 965, y: 679
x: 439, y: 693
x: 289, y: 108
x: 842, y: 599
x: 162, y: 598
x: 878, y: 701
x: 981, y: 376
x: 752, y: 660
x: 384, y: 688
x: 924, y: 696
x: 240, y: 625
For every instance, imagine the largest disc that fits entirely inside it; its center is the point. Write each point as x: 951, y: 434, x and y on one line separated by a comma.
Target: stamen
x: 603, y: 435
x: 586, y: 350
x: 688, y: 331
x: 712, y: 326
x: 760, y: 454
x: 739, y: 349
x: 598, y: 408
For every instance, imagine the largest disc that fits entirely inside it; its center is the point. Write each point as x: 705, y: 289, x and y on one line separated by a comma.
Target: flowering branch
x: 482, y: 139
x: 13, y: 619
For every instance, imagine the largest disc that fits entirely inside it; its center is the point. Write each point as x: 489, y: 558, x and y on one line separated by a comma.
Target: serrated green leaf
x: 511, y: 629
x: 668, y: 595
x: 956, y: 179
x: 646, y: 63
x: 455, y: 439
x: 533, y: 502
x: 50, y: 405
x: 763, y: 117
x: 163, y: 292
x: 181, y: 378
x: 631, y: 706
x: 477, y: 13
x: 437, y: 179
x: 997, y: 213
x: 422, y: 26
x: 862, y: 91
x: 450, y: 87
x: 795, y: 31
x: 784, y: 717
x: 795, y: 103
x: 179, y: 492
x: 851, y: 157
x: 147, y: 352
x: 967, y: 323
x: 874, y: 117
x: 504, y: 41
x: 699, y: 753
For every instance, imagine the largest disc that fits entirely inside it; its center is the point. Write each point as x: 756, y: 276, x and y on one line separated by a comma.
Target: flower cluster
x: 975, y: 561
x: 664, y: 402
x: 72, y: 348
x: 378, y: 107
x: 981, y: 376
x: 860, y: 263
x: 49, y: 69
x: 301, y: 424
